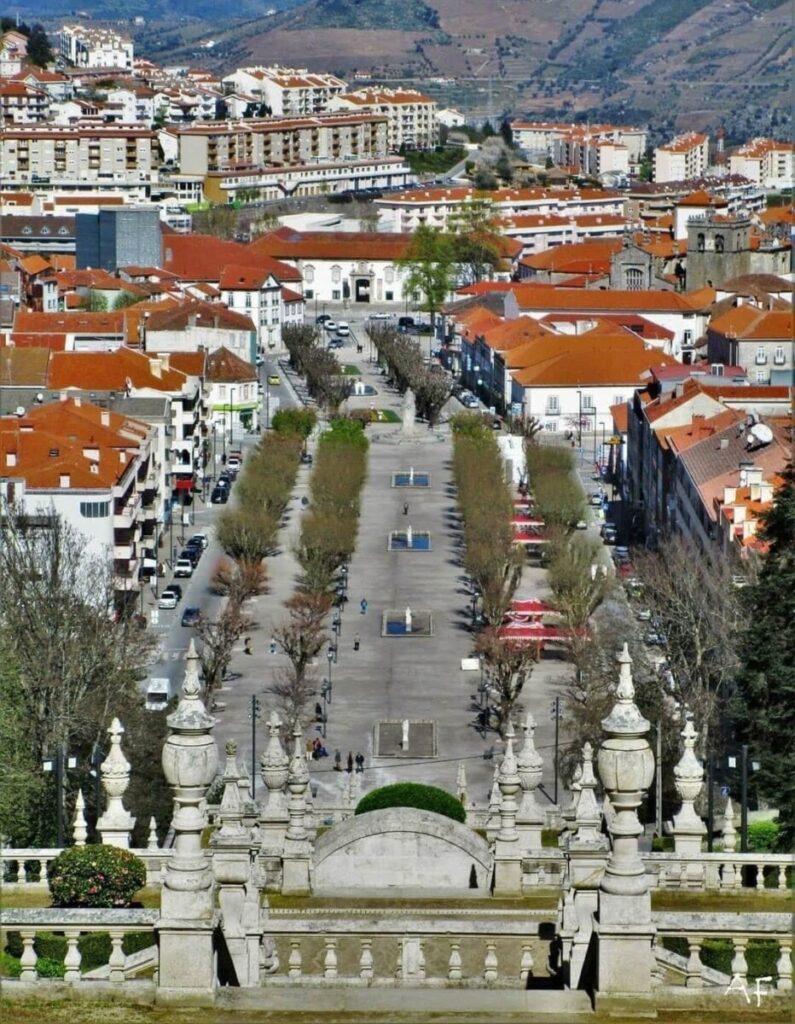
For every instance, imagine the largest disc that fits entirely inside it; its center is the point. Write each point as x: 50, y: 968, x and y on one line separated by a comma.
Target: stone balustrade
x: 711, y: 871
x: 472, y: 948
x: 72, y: 924
x: 690, y: 931
x: 29, y: 867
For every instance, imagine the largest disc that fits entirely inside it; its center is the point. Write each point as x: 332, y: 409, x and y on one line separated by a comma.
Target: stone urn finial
x: 729, y: 834
x: 688, y: 779
x: 79, y: 826
x: 274, y: 762
x: 116, y: 823
x: 626, y: 768
x: 509, y: 785
x: 587, y: 816
x: 230, y: 811
x: 529, y: 763
x: 297, y: 784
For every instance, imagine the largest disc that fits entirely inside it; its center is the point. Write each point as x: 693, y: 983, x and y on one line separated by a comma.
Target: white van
x: 157, y: 694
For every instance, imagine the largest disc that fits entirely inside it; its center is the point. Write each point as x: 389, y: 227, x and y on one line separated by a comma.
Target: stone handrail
x: 73, y: 923
x: 739, y: 929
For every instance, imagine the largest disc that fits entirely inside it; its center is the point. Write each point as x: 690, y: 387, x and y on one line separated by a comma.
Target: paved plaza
x: 392, y: 678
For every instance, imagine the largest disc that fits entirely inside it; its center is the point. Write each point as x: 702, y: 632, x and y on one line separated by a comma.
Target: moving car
x: 191, y: 554
x: 183, y: 568
x: 343, y: 329
x: 274, y: 379
x: 157, y: 694
x: 191, y: 616
x: 609, y: 534
x: 170, y: 597
x: 596, y: 498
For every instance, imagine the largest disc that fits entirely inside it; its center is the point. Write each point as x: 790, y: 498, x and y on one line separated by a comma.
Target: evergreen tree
x: 39, y: 49
x: 764, y: 705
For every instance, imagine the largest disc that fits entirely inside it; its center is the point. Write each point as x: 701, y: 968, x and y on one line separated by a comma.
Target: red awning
x: 528, y: 538
x: 531, y: 606
x: 183, y: 483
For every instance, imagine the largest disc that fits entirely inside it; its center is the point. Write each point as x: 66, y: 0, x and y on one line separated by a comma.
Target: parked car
x: 343, y: 329
x: 644, y: 615
x: 406, y: 321
x: 220, y: 495
x: 191, y: 616
x: 183, y: 568
x: 656, y: 639
x: 200, y: 538
x: 330, y: 326
x: 581, y: 525
x: 609, y: 535
x: 192, y: 554
x: 322, y: 319
x: 233, y: 463
x: 380, y: 316
x: 596, y: 499
x: 170, y: 597
x: 306, y: 458
x: 274, y: 379
x: 260, y: 360
x: 336, y: 343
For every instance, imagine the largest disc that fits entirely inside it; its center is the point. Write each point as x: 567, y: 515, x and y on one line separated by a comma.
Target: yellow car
x: 274, y: 379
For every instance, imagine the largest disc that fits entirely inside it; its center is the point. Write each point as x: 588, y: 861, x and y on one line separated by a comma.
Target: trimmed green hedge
x: 94, y: 949
x: 413, y: 794
x: 760, y: 955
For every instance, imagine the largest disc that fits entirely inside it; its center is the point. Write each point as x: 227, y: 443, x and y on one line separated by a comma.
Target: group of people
x: 358, y: 761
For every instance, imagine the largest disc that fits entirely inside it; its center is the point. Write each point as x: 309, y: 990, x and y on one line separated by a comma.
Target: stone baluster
x: 421, y: 959
x: 529, y: 765
x: 694, y: 978
x: 297, y: 848
x: 739, y: 963
x: 73, y: 957
x: 399, y: 964
x: 116, y: 823
x: 294, y: 960
x: 784, y: 966
x: 366, y: 960
x: 230, y: 811
x: 782, y: 876
x: 507, y: 851
x: 454, y: 964
x: 461, y: 785
x: 729, y: 834
x: 21, y: 873
x: 729, y: 875
x: 657, y: 969
x: 330, y: 959
x: 274, y: 767
x: 688, y: 828
x: 29, y: 958
x: 760, y: 877
x: 117, y: 960
x: 490, y: 964
x: 152, y: 840
x: 626, y: 767
x: 79, y: 824
x: 187, y: 903
x: 526, y: 963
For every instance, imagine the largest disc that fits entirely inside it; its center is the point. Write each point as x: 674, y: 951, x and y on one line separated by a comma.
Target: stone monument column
x: 238, y: 891
x: 188, y: 916
x: 624, y: 930
x: 507, y: 851
x: 274, y: 765
x: 116, y: 823
x: 529, y: 765
x: 297, y: 847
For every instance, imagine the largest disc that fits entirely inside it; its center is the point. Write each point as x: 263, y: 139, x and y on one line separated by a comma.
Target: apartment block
x: 579, y: 146
x: 102, y: 154
x: 225, y: 145
x: 411, y: 116
x: 22, y: 104
x: 288, y: 92
x: 767, y: 162
x: 95, y: 47
x: 685, y: 157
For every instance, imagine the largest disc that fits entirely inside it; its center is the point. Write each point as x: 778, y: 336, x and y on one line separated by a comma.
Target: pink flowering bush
x: 95, y: 876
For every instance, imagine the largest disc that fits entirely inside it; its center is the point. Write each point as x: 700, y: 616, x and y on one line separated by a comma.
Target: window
x: 687, y: 338
x: 618, y: 400
x: 94, y: 509
x: 309, y: 274
x: 778, y: 355
x: 553, y: 405
x: 700, y: 243
x: 719, y: 243
x: 761, y: 376
x: 389, y: 275
x: 761, y: 354
x: 336, y: 274
x: 335, y: 295
x: 634, y: 279
x: 587, y: 403
x: 389, y: 296
x: 309, y: 293
x: 551, y: 425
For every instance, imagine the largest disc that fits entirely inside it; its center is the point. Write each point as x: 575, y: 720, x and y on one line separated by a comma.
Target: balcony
x: 124, y: 516
x: 761, y: 359
x: 779, y: 359
x: 124, y: 552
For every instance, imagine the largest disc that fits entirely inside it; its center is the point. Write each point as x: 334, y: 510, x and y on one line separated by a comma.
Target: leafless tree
x: 218, y: 638
x: 508, y: 668
x: 303, y: 635
x: 293, y: 694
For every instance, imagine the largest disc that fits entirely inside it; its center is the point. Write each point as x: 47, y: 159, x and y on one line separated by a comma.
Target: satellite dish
x: 20, y: 410
x: 761, y: 433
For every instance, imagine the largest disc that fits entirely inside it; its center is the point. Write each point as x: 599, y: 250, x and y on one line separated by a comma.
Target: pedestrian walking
x: 405, y: 508
x: 337, y: 761
x: 363, y: 605
x: 247, y: 646
x: 359, y: 763
x: 356, y: 642
x: 309, y: 750
x: 350, y: 762
x: 274, y: 645
x: 318, y: 712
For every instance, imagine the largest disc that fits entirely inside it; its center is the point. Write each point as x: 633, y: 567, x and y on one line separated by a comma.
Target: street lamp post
x: 330, y: 659
x: 579, y: 418
x: 59, y: 764
x: 556, y: 714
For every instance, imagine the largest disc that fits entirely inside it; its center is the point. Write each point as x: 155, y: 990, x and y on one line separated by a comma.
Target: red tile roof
x: 111, y: 371
x: 204, y: 257
x: 224, y: 367
x: 587, y: 360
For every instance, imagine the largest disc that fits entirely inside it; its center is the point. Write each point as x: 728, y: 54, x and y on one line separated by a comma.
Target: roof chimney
x: 156, y: 367
x: 11, y: 458
x: 104, y: 418
x: 66, y: 480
